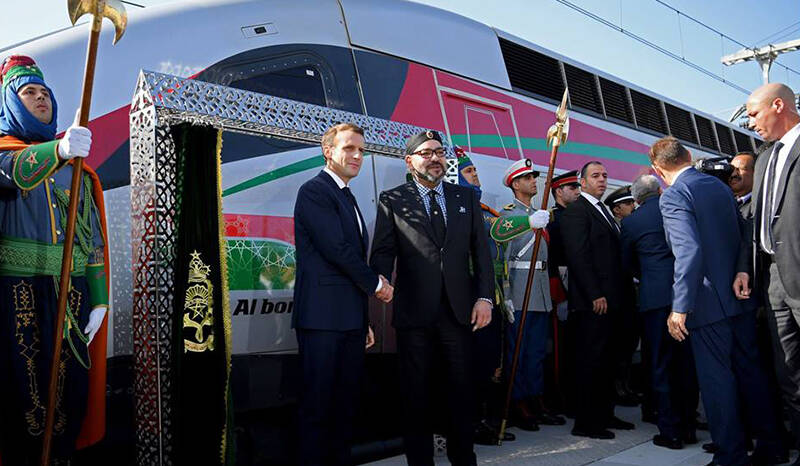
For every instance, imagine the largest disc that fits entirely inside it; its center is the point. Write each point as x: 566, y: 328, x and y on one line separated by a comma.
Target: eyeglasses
x: 428, y: 153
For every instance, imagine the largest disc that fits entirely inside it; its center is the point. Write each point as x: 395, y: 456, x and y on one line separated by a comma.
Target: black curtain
x: 201, y: 329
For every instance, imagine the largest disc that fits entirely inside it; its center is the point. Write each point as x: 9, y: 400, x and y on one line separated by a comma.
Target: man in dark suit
x: 671, y: 366
x: 741, y: 181
x: 332, y: 285
x: 596, y: 291
x: 433, y: 232
x: 775, y: 242
x: 702, y: 227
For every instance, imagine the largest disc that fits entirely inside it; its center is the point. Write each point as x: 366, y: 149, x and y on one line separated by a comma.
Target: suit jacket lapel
x: 758, y: 181
x: 787, y: 167
x: 599, y: 216
x: 348, y: 207
x: 416, y: 209
x: 454, y: 202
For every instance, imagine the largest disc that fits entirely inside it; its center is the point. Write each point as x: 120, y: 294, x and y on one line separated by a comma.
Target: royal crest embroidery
x: 198, y: 315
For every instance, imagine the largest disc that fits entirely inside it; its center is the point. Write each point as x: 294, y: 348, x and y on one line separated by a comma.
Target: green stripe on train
x: 578, y: 148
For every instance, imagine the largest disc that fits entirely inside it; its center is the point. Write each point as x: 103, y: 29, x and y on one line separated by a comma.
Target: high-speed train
x: 489, y: 92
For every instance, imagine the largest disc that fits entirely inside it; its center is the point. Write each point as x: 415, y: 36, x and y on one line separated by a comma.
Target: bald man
x: 776, y: 239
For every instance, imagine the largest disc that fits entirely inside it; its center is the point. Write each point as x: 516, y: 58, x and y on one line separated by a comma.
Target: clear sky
x: 557, y: 27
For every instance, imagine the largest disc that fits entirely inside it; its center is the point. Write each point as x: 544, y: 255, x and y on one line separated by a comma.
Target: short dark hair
x: 586, y: 167
x: 330, y: 134
x: 668, y: 152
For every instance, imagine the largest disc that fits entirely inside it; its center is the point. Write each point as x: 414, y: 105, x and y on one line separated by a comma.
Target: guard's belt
x: 26, y: 258
x: 539, y: 265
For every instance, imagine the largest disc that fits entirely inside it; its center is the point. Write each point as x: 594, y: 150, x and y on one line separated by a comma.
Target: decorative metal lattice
x: 160, y: 102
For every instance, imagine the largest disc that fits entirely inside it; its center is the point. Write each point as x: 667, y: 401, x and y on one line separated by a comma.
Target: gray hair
x: 644, y: 186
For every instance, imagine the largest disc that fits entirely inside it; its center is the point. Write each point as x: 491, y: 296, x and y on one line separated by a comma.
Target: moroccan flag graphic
x: 202, y: 330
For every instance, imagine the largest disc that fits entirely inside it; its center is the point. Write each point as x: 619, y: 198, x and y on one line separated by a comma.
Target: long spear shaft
x: 99, y: 10
x: 560, y: 132
x: 69, y: 240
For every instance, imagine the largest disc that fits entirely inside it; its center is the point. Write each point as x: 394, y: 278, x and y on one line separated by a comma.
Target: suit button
x: 58, y: 232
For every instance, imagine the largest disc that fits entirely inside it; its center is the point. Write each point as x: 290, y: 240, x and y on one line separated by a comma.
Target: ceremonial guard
x: 34, y: 195
x: 565, y: 188
x: 628, y: 325
x: 516, y: 227
x: 489, y: 340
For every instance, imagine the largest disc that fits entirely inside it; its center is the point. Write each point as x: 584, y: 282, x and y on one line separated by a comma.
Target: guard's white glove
x: 509, y: 310
x: 76, y: 142
x: 95, y: 321
x: 540, y: 219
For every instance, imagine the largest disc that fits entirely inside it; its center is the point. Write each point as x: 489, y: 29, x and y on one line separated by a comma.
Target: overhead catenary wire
x: 680, y: 58
x: 772, y: 36
x: 654, y: 46
x: 735, y: 41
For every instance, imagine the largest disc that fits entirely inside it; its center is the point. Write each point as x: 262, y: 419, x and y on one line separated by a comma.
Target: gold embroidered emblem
x: 429, y: 134
x: 508, y: 224
x: 31, y: 159
x: 198, y: 308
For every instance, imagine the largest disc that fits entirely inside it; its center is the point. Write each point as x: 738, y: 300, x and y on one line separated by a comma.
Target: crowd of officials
x: 696, y: 269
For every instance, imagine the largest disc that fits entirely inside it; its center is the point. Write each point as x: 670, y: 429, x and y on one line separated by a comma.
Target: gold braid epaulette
x: 34, y: 164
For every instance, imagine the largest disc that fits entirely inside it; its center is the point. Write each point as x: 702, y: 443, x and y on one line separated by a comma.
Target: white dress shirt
x: 788, y: 141
x: 341, y: 184
x: 599, y: 206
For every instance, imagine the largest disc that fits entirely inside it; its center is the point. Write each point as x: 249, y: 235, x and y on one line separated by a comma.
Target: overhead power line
x: 681, y: 58
x: 772, y: 36
x: 654, y: 46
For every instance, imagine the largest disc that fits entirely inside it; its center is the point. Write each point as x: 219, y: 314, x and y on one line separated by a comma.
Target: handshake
x: 386, y: 291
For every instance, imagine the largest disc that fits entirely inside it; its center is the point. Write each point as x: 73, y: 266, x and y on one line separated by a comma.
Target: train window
x: 706, y: 132
x: 583, y: 92
x: 680, y: 123
x: 302, y: 83
x: 615, y: 101
x: 316, y: 74
x: 532, y: 71
x: 725, y: 139
x: 648, y: 112
x: 743, y: 141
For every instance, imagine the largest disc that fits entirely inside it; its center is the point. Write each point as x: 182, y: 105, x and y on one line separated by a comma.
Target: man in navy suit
x: 672, y: 375
x: 332, y: 286
x: 703, y: 226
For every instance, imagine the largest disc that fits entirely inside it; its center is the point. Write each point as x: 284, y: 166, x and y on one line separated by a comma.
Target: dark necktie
x: 437, y: 219
x: 349, y: 195
x: 769, y: 200
x: 608, y: 217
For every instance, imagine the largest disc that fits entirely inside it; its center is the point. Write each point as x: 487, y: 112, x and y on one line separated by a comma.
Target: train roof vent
x: 743, y: 141
x: 680, y: 123
x: 725, y: 139
x: 615, y: 101
x: 532, y: 71
x: 648, y: 112
x: 583, y: 90
x: 706, y: 132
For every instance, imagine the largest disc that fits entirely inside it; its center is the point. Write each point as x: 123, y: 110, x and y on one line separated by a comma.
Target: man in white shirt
x: 332, y: 285
x: 776, y: 212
